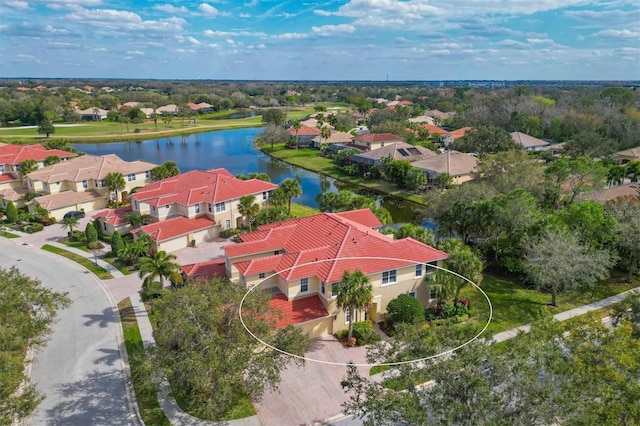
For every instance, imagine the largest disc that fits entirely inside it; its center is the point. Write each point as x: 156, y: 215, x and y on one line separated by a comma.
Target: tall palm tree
x: 115, y: 182
x: 249, y: 208
x: 354, y: 293
x: 290, y: 189
x: 297, y: 125
x: 325, y: 134
x: 27, y: 166
x: 616, y: 174
x: 159, y: 266
x: 69, y: 223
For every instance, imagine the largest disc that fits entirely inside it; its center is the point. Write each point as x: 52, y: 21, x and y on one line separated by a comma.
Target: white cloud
x: 125, y: 21
x: 617, y: 34
x: 540, y: 41
x: 17, y: 4
x: 329, y: 30
x: 610, y: 17
x: 169, y: 8
x: 512, y: 43
x: 291, y: 36
x: 193, y: 40
x: 207, y: 9
x: 322, y: 12
x: 135, y: 52
x: 223, y: 34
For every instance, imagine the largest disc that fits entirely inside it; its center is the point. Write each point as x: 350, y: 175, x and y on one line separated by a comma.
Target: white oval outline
x: 386, y: 364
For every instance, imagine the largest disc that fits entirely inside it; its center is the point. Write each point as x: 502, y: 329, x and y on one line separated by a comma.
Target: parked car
x: 75, y: 214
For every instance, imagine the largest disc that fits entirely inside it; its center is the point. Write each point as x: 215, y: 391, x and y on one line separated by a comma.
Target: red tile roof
x: 297, y: 311
x: 459, y: 133
x: 378, y: 137
x: 434, y: 129
x: 214, y: 268
x: 197, y: 186
x: 304, y: 131
x: 114, y: 216
x: 171, y: 228
x: 325, y: 245
x: 8, y: 177
x: 15, y: 154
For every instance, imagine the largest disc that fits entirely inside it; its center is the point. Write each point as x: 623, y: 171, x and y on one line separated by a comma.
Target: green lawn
x: 8, y: 235
x: 81, y: 245
x: 311, y: 159
x: 99, y: 271
x: 148, y: 404
x: 300, y: 210
x: 515, y: 305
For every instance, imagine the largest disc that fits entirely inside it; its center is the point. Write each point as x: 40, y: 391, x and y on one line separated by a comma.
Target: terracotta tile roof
x: 14, y: 193
x: 629, y: 189
x: 528, y: 141
x: 175, y: 227
x: 327, y: 244
x: 214, y: 268
x: 434, y: 129
x: 15, y: 154
x: 459, y: 133
x: 297, y: 311
x: 197, y: 186
x: 66, y: 199
x: 377, y: 137
x: 114, y: 216
x: 304, y: 131
x: 89, y: 167
x: 453, y: 162
x: 8, y: 177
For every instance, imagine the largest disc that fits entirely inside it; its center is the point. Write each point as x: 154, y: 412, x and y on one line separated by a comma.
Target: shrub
x: 95, y: 245
x: 30, y: 228
x: 91, y: 233
x: 116, y: 243
x: 364, y: 334
x: 405, y: 308
x: 11, y: 212
x: 229, y: 232
x: 77, y: 236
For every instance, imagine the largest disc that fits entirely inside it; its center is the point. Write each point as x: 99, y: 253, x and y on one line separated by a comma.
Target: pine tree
x: 116, y: 243
x: 91, y: 233
x: 11, y: 212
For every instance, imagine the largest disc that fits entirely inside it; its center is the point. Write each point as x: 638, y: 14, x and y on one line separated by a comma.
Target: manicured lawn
x: 148, y: 404
x: 299, y: 210
x: 8, y: 235
x: 515, y: 305
x: 99, y: 271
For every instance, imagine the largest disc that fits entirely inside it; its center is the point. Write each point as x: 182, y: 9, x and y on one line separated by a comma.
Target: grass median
x: 99, y: 271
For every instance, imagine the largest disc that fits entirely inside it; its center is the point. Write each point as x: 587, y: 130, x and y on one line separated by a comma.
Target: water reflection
x: 234, y: 151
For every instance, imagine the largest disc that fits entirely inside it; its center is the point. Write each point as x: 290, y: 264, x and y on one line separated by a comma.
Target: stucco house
x: 80, y: 183
x: 459, y: 165
x: 195, y: 206
x: 301, y: 262
x: 453, y: 135
x: 373, y: 141
x: 92, y: 114
x: 12, y: 155
x: 335, y: 138
x: 304, y: 134
x: 529, y: 143
x: 395, y: 151
x: 632, y: 154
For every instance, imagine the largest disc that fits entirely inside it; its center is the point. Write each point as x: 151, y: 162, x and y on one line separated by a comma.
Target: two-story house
x: 301, y: 262
x: 80, y: 183
x: 371, y: 141
x: 195, y: 206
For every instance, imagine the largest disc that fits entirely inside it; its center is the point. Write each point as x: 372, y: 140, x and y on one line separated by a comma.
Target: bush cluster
x: 362, y: 332
x: 404, y: 309
x: 30, y: 228
x: 229, y: 232
x: 447, y: 310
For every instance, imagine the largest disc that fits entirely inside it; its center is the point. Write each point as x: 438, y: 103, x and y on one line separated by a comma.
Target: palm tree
x: 27, y: 166
x: 161, y: 265
x: 325, y: 133
x: 462, y: 260
x: 290, y: 188
x: 115, y: 182
x: 69, y: 223
x: 248, y: 208
x: 297, y: 125
x: 354, y: 293
x: 136, y: 220
x: 616, y: 175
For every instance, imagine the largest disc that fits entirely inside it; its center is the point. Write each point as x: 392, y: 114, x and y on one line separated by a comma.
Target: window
x: 103, y: 183
x: 264, y: 195
x: 419, y: 270
x: 197, y: 208
x: 131, y: 177
x: 220, y: 207
x: 322, y: 287
x: 261, y: 275
x: 85, y: 184
x: 433, y: 293
x: 104, y: 226
x: 334, y: 289
x: 304, y: 285
x: 412, y: 293
x: 45, y: 185
x: 147, y: 174
x: 154, y: 211
x: 2, y: 168
x: 347, y: 316
x: 227, y: 224
x: 430, y: 267
x: 135, y: 204
x: 389, y: 277
x: 209, y: 208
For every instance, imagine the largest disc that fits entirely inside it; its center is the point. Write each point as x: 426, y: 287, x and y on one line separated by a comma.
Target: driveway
x: 311, y: 394
x: 80, y: 370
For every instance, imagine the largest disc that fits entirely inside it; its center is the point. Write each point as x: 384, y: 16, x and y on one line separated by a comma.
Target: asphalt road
x: 80, y: 370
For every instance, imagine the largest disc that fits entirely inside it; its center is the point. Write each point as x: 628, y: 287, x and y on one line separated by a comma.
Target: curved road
x: 80, y: 370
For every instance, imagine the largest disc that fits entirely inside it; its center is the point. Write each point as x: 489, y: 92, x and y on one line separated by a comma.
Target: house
x: 453, y: 135
x: 529, y: 143
x: 12, y: 189
x: 421, y: 119
x: 92, y: 114
x: 335, y: 138
x: 304, y: 134
x: 12, y: 155
x: 301, y: 262
x: 460, y: 166
x: 171, y: 109
x: 214, y: 268
x: 195, y: 206
x: 80, y: 183
x: 632, y: 154
x: 373, y: 141
x: 396, y: 151
x: 112, y: 220
x: 626, y: 190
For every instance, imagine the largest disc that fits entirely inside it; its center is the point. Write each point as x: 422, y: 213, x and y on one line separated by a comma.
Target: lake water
x: 234, y: 151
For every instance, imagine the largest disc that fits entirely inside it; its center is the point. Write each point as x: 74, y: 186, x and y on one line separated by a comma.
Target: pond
x: 234, y: 151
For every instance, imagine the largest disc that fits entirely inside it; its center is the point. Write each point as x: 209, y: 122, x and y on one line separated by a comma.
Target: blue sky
x: 322, y: 40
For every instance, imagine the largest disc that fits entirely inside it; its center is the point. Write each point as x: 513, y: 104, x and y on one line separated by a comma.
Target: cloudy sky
x: 322, y: 40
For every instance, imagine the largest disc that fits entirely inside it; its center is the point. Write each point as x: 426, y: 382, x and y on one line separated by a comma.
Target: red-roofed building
x: 455, y: 134
x: 304, y: 134
x: 114, y: 220
x: 214, y: 268
x: 213, y: 194
x: 306, y: 257
x: 12, y: 155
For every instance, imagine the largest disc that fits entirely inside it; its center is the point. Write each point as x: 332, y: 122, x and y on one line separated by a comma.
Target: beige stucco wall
x: 318, y: 327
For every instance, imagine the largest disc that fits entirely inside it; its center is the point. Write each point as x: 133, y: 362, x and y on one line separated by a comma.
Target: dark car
x: 74, y: 214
